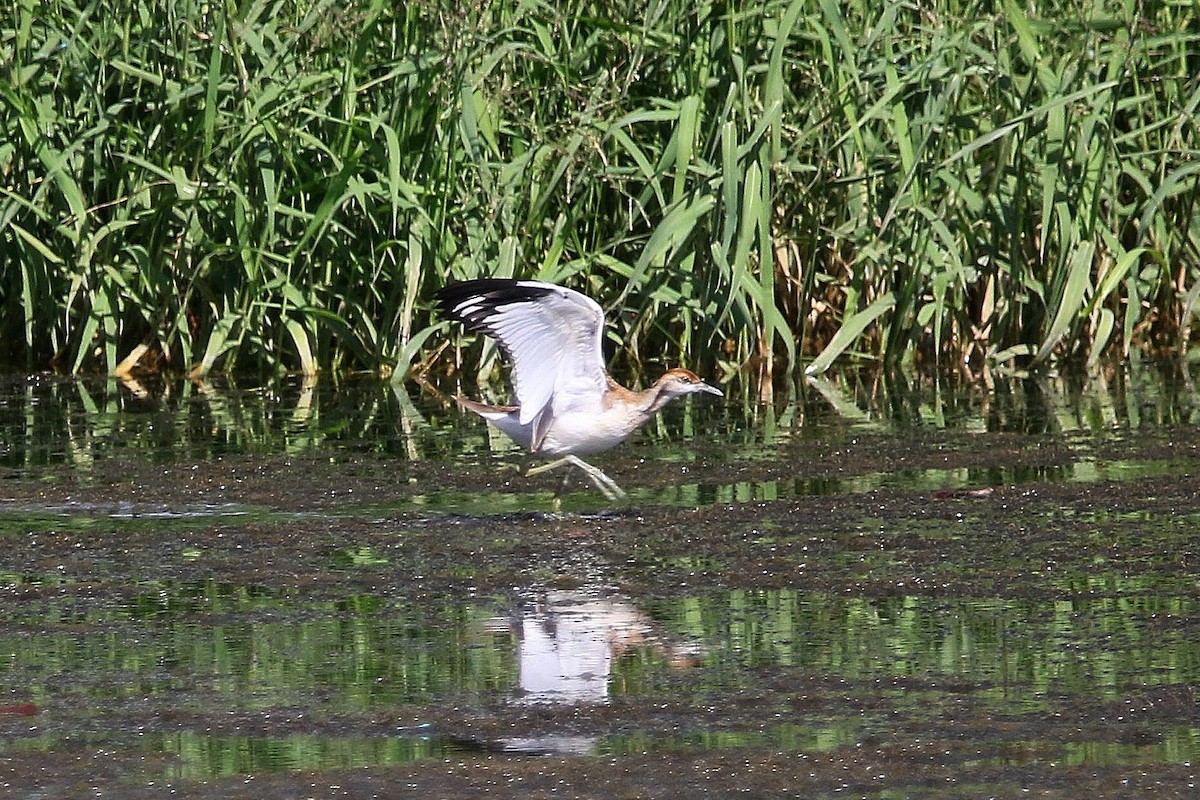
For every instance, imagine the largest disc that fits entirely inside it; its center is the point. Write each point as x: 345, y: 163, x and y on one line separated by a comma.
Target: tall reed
x: 280, y: 185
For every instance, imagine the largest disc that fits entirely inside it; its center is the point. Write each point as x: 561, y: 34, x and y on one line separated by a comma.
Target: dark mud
x: 986, y: 619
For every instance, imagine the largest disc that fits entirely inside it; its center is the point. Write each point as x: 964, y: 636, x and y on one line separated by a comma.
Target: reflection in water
x: 213, y: 649
x: 161, y: 664
x: 1135, y: 396
x: 566, y: 645
x: 567, y: 642
x: 46, y: 420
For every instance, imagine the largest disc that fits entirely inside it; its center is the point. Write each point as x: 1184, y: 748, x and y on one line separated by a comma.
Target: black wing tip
x: 496, y: 291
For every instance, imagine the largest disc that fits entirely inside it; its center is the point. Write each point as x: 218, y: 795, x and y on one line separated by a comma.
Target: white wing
x: 551, y: 334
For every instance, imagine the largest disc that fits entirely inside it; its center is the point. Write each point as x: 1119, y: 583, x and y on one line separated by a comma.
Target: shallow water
x: 865, y: 587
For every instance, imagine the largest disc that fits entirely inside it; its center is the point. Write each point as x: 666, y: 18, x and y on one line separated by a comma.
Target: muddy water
x: 868, y: 588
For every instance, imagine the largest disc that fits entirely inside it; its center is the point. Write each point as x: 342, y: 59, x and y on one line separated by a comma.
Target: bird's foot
x: 605, y: 484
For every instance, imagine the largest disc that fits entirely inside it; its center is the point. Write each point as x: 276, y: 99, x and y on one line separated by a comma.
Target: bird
x: 566, y: 405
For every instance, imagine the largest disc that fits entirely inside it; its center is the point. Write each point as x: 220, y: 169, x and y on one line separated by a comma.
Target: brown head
x: 678, y: 382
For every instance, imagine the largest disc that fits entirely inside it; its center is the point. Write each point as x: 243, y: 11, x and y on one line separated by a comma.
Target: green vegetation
x: 281, y: 184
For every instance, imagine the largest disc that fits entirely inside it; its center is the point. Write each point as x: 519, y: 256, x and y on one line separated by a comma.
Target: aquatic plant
x: 282, y: 185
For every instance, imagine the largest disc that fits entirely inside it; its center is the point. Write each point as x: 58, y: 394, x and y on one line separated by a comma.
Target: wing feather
x: 552, y: 335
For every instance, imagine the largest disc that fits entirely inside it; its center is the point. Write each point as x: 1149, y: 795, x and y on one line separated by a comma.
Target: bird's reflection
x: 567, y: 642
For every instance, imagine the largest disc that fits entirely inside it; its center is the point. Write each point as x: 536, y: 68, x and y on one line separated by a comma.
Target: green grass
x: 280, y: 186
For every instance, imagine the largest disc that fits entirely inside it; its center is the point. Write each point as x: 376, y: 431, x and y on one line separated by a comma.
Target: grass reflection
x: 369, y: 654
x: 1023, y: 649
x: 204, y: 648
x: 205, y: 756
x: 46, y: 421
x: 221, y: 640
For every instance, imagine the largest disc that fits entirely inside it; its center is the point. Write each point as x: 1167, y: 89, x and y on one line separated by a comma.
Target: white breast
x: 582, y: 433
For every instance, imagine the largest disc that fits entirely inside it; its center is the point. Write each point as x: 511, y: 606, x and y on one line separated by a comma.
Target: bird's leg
x: 556, y: 502
x: 604, y: 483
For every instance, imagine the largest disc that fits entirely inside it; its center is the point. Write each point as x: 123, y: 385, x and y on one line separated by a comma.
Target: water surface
x: 867, y: 586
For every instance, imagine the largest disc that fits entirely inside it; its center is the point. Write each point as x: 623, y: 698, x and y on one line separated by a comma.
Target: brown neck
x: 646, y: 403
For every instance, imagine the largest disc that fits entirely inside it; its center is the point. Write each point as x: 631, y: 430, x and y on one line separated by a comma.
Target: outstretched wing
x: 551, y: 334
